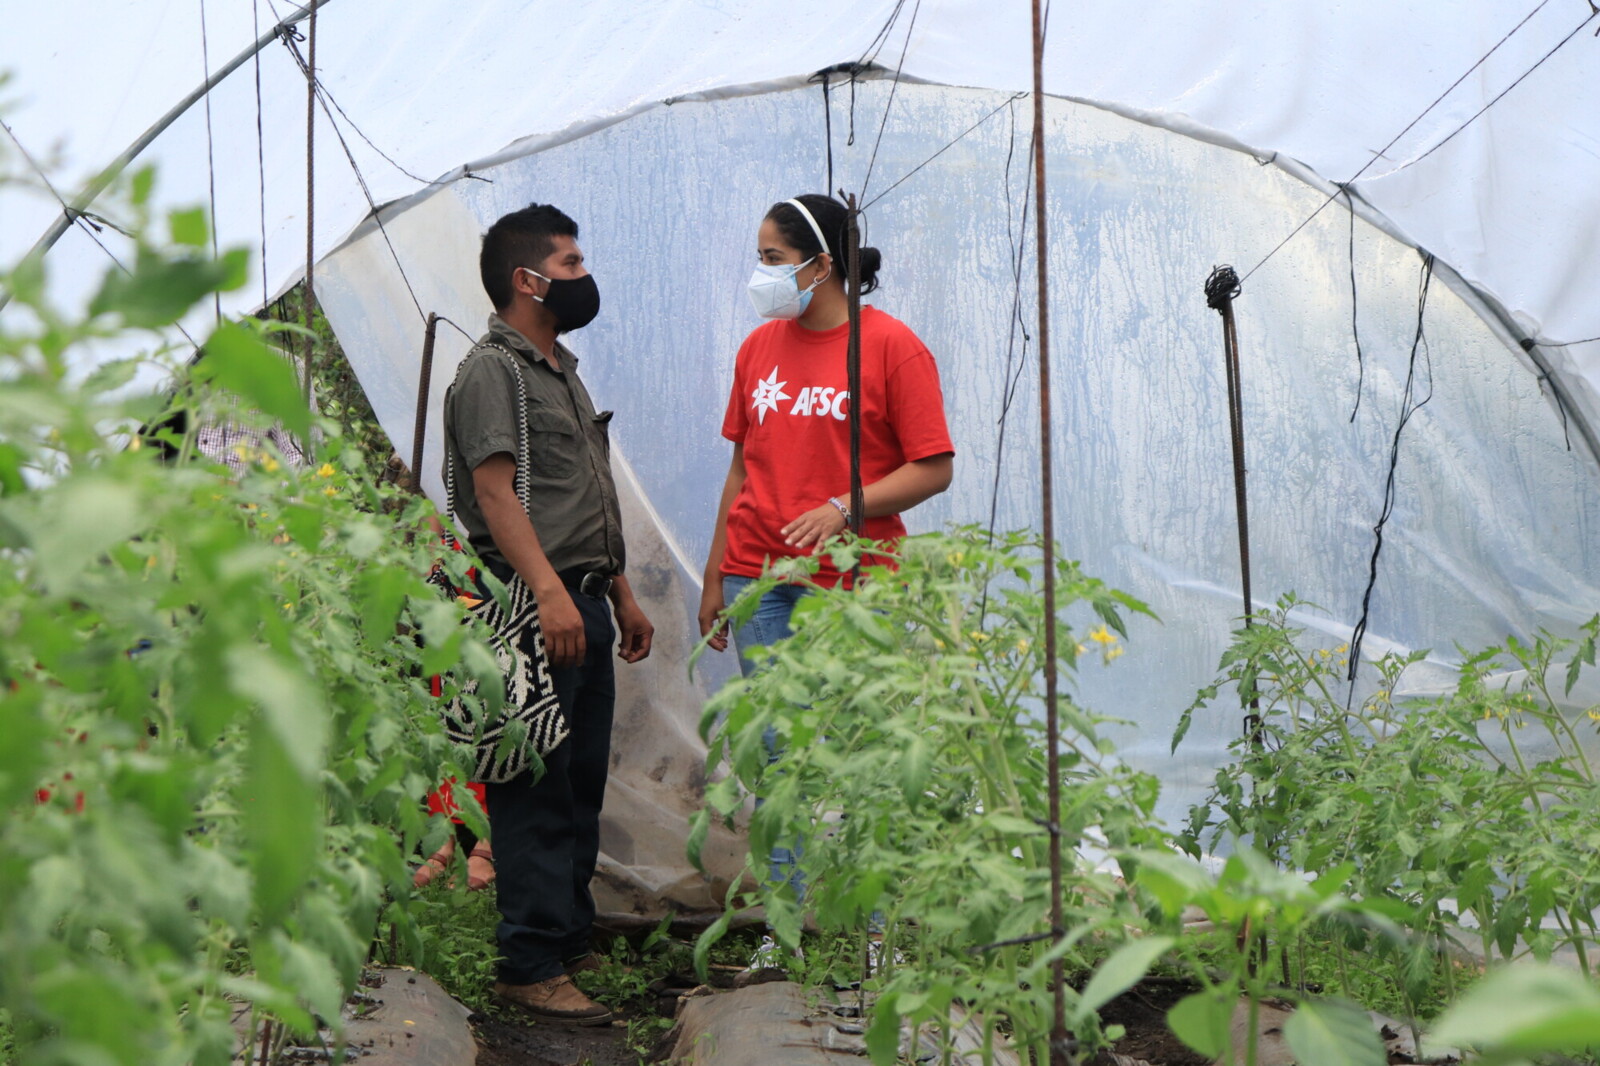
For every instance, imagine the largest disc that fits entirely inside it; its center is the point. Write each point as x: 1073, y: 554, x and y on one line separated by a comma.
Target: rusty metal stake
x: 853, y: 361
x: 311, y: 197
x: 423, y: 385
x: 1060, y: 1039
x: 1221, y: 288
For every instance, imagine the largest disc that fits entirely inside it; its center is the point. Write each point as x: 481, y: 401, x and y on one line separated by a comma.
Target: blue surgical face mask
x: 775, y: 293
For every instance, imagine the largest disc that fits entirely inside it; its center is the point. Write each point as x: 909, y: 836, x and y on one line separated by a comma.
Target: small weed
x: 457, y: 937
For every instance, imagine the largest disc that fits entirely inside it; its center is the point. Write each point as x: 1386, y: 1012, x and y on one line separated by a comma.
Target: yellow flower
x: 978, y: 636
x: 135, y: 444
x: 1594, y: 714
x: 269, y: 464
x: 1022, y: 647
x: 326, y: 470
x: 1082, y: 650
x: 938, y: 643
x: 1341, y: 649
x: 288, y: 607
x: 1112, y: 653
x: 330, y: 492
x: 1324, y: 653
x: 1103, y: 635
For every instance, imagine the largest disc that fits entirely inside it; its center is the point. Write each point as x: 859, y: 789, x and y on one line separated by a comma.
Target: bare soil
x: 509, y: 1041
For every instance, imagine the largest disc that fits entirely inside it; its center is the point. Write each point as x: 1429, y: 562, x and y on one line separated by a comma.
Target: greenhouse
x: 1230, y: 696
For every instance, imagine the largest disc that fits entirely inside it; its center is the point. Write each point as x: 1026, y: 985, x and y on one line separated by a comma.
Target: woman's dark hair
x: 831, y: 218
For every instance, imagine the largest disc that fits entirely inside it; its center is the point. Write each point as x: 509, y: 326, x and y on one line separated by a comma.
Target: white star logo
x: 769, y: 391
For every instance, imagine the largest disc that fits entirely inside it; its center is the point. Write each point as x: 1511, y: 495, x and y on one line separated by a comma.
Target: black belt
x: 590, y: 583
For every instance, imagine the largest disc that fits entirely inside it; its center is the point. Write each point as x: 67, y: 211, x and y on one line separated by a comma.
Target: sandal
x: 437, y: 864
x: 480, y: 867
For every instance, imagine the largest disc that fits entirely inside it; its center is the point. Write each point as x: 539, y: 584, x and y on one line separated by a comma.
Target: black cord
x: 893, y: 88
x: 827, y: 129
x: 211, y: 161
x: 1396, y: 138
x: 84, y: 220
x: 1015, y: 97
x: 366, y: 191
x: 1499, y: 96
x: 470, y: 338
x: 870, y: 55
x: 1408, y: 407
x: 1018, y: 324
x: 1355, y: 324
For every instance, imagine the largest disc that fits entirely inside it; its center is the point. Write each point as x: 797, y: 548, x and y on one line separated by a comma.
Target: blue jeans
x: 765, y: 628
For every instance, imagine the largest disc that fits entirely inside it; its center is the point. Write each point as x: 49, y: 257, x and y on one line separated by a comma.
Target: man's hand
x: 635, y: 632
x: 712, y: 625
x: 814, y: 527
x: 564, y: 642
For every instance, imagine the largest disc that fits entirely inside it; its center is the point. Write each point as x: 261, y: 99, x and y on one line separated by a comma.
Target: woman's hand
x: 713, y: 626
x: 814, y: 527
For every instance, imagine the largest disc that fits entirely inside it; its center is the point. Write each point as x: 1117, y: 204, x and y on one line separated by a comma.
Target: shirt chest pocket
x: 553, y: 444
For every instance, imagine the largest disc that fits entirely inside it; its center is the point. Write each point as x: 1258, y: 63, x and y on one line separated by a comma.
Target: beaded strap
x: 524, y: 455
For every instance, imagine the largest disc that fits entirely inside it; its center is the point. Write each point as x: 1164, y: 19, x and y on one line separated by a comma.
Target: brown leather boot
x: 556, y: 999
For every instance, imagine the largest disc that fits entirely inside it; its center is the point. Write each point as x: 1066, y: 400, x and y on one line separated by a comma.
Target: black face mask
x: 573, y: 301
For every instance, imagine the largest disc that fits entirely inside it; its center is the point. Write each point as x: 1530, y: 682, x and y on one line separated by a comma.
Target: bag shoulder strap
x: 520, y: 480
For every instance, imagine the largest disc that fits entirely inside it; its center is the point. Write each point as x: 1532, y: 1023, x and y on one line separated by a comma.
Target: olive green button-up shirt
x: 572, y: 499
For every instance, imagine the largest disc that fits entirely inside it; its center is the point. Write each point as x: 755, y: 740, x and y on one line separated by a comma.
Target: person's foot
x: 437, y: 864
x: 556, y: 1000
x: 480, y: 867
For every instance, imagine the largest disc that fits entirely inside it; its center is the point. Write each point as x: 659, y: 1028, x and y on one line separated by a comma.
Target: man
x: 567, y: 547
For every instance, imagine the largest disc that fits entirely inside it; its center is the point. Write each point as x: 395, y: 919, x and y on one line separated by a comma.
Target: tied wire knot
x: 1222, y: 287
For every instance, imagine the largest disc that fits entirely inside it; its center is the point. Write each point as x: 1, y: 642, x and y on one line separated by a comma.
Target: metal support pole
x: 1060, y: 1039
x: 423, y: 385
x: 311, y: 197
x: 858, y: 504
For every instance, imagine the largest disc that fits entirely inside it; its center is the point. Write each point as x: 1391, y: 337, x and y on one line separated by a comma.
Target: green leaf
x: 1125, y: 968
x: 79, y: 520
x: 108, y: 377
x: 189, y: 227
x: 293, y: 707
x: 914, y: 767
x: 144, y: 181
x: 1523, y: 1010
x: 699, y: 828
x: 160, y: 290
x: 282, y: 814
x: 236, y: 359
x: 1203, y: 1020
x: 883, y: 1035
x: 1327, y: 1032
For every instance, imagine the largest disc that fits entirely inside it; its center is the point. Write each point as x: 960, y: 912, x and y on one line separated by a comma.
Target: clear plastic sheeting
x: 1493, y: 514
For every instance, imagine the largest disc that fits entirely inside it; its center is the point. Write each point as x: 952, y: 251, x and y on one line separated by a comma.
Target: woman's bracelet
x: 842, y: 509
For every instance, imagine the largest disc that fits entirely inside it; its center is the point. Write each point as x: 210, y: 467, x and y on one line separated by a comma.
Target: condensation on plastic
x: 1492, y: 511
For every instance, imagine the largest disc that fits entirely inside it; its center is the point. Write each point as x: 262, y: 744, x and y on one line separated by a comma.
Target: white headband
x: 814, y: 227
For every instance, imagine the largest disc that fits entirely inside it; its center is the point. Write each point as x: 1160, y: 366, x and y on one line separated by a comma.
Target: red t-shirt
x: 790, y: 408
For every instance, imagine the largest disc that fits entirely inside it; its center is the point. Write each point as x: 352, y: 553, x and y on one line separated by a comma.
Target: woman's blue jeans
x: 765, y: 628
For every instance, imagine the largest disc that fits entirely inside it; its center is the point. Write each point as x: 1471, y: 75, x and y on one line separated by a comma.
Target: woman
x: 788, y: 486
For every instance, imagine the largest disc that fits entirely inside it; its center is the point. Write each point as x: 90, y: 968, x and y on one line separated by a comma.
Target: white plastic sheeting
x: 1495, y: 517
x: 1508, y: 202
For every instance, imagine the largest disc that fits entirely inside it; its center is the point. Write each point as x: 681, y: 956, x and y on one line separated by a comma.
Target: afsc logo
x: 819, y: 401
